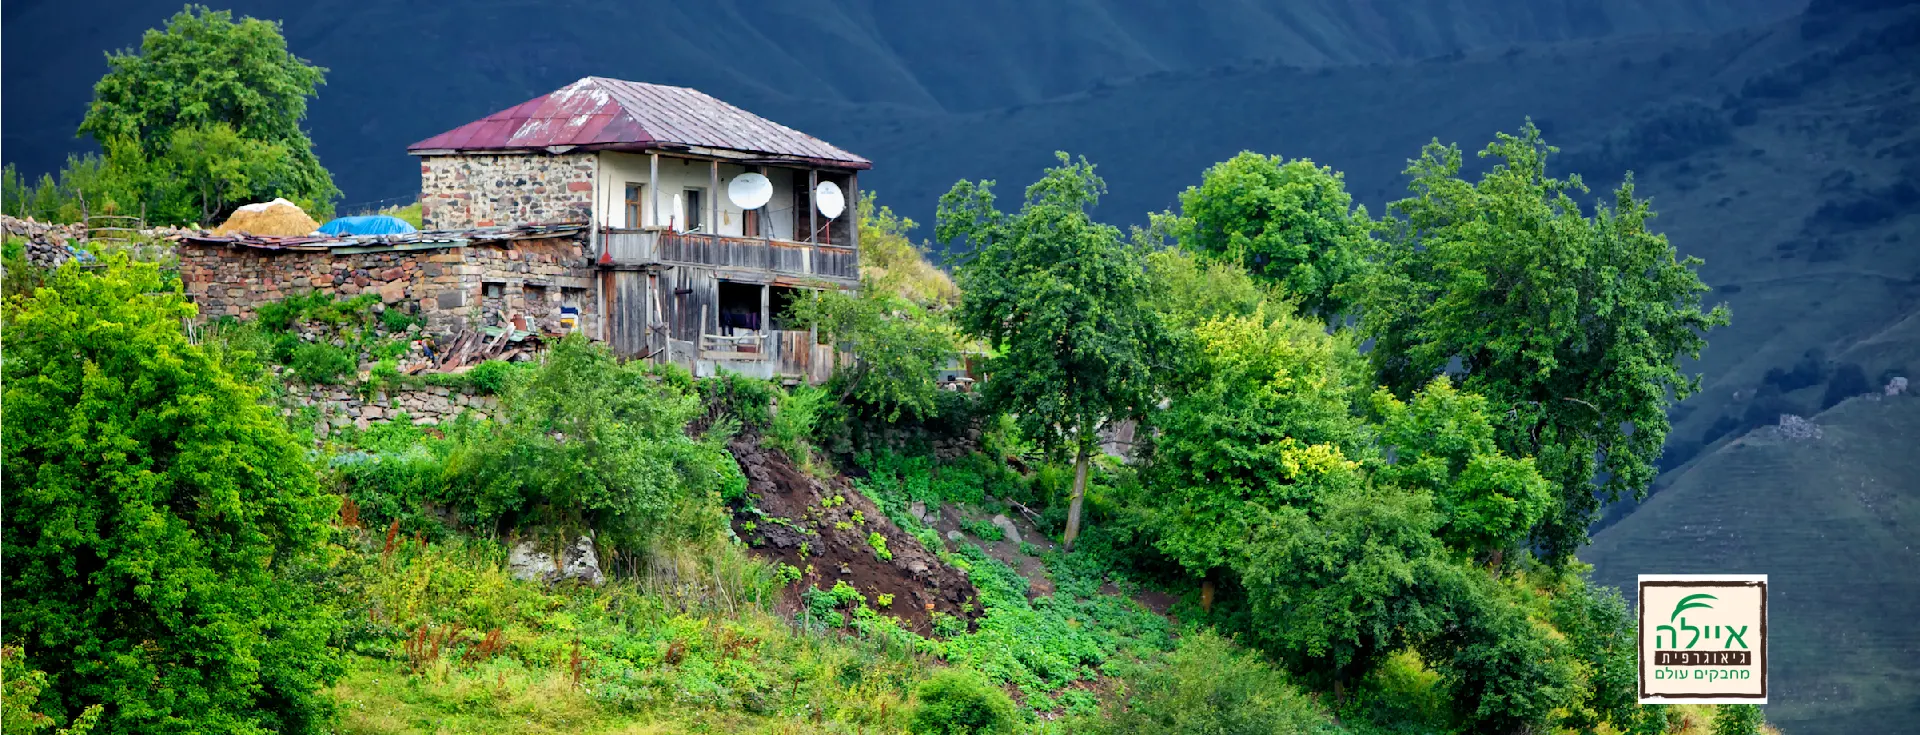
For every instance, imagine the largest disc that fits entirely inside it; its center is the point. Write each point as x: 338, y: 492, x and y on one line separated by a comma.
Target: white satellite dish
x: 750, y: 191
x: 828, y: 197
x: 673, y: 215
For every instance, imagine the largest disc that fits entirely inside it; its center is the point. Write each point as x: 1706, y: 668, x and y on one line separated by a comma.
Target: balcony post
x: 713, y: 197
x: 653, y: 182
x: 813, y: 207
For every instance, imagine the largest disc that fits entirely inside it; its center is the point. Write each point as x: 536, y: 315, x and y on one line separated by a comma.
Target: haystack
x: 278, y: 217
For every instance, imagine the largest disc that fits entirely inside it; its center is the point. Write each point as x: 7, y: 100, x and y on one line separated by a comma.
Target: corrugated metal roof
x: 597, y: 111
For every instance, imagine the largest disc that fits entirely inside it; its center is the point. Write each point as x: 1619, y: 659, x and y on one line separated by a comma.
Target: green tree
x: 158, y: 515
x: 589, y: 443
x: 1062, y: 300
x: 1599, y: 630
x: 890, y: 258
x: 1442, y: 442
x: 1503, y: 671
x: 1571, y: 326
x: 206, y: 69
x: 209, y: 170
x: 900, y: 345
x: 1288, y: 222
x: 1260, y: 419
x: 1340, y: 583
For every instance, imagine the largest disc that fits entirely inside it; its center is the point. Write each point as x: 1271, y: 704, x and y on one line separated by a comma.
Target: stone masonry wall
x: 484, y: 191
x: 339, y: 407
x: 455, y: 288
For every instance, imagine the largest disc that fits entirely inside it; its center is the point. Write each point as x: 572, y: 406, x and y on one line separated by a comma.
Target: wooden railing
x: 782, y: 257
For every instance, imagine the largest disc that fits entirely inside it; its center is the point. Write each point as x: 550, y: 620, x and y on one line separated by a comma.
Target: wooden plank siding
x: 794, y: 261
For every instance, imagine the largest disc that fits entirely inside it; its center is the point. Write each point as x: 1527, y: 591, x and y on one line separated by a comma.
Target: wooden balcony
x: 748, y: 258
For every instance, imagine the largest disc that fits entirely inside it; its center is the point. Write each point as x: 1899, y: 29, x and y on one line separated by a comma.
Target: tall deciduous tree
x: 1288, y: 222
x: 1571, y: 326
x: 1062, y: 299
x: 205, y: 69
x: 154, y: 507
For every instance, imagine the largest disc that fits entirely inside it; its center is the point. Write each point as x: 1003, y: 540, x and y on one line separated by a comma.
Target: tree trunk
x: 1206, y: 594
x: 1079, y: 492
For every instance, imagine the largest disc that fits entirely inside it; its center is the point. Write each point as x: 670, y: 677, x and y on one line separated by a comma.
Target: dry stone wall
x: 338, y: 407
x: 479, y: 285
x: 487, y: 190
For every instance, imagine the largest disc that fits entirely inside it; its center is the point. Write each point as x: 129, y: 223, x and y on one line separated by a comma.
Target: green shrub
x: 879, y: 544
x: 396, y: 321
x: 958, y: 702
x: 319, y: 362
x: 1208, y: 686
x: 984, y: 530
x: 491, y: 377
x: 161, y: 526
x: 791, y: 428
x: 745, y: 399
x: 1738, y: 719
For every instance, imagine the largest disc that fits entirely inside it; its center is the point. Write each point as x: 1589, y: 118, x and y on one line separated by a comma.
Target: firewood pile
x: 473, y: 346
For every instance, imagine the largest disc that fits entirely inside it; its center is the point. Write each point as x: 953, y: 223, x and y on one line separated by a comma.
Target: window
x: 493, y: 289
x: 694, y: 219
x: 634, y: 191
x: 739, y: 308
x: 536, y: 295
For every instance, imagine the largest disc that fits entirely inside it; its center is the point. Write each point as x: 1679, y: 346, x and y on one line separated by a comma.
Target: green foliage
x: 879, y: 544
x: 1599, y: 630
x: 1189, y: 291
x: 1062, y: 302
x: 1571, y: 326
x: 396, y: 321
x: 1342, y: 583
x: 1259, y: 419
x: 743, y: 399
x: 793, y: 423
x: 493, y: 377
x: 901, y: 345
x: 320, y: 362
x: 410, y: 214
x: 1208, y: 686
x: 587, y: 442
x: 88, y: 184
x: 983, y: 530
x: 238, y: 96
x: 1443, y: 443
x: 1288, y: 222
x: 890, y: 259
x: 23, y: 687
x: 159, y: 519
x: 1502, y: 670
x: 1738, y: 719
x: 957, y: 702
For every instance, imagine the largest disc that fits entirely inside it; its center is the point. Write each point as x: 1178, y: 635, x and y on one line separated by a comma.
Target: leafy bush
x: 588, y: 442
x: 1207, y: 686
x: 319, y: 362
x: 879, y: 544
x: 159, y: 521
x: 1738, y: 719
x: 744, y: 399
x: 984, y: 530
x: 1848, y: 381
x: 491, y: 377
x: 958, y: 702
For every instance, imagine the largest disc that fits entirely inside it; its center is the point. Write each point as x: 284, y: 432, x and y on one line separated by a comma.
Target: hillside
x: 1787, y: 157
x: 1832, y: 520
x: 402, y: 72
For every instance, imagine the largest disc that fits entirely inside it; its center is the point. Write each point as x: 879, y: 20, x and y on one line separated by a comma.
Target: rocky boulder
x: 577, y: 561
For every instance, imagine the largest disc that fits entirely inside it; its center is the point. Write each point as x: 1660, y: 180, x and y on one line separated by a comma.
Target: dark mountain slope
x: 1835, y: 524
x: 404, y: 71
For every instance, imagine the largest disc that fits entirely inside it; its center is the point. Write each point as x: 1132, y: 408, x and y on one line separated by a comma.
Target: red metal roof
x: 610, y: 113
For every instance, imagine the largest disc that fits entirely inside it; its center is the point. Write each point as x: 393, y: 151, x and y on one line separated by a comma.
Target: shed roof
x: 610, y: 114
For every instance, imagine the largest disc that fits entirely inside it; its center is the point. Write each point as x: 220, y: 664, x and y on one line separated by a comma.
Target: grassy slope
x: 1834, y: 522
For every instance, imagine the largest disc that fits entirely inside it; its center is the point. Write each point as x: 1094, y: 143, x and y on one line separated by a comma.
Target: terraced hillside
x: 1835, y: 523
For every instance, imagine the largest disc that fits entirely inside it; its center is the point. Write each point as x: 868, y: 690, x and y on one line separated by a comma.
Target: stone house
x: 683, y: 272
x: 605, y: 201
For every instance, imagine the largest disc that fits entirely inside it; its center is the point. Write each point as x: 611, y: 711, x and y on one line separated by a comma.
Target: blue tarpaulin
x: 372, y: 224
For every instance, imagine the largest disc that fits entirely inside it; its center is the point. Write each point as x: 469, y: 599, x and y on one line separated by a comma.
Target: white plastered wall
x: 676, y: 176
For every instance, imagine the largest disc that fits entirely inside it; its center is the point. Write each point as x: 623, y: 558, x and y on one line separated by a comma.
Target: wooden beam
x: 853, y: 208
x: 653, y: 182
x: 813, y: 207
x: 713, y: 197
x: 766, y: 318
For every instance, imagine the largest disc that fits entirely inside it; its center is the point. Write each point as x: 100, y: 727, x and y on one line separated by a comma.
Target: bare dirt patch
x: 834, y: 523
x: 1007, y: 550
